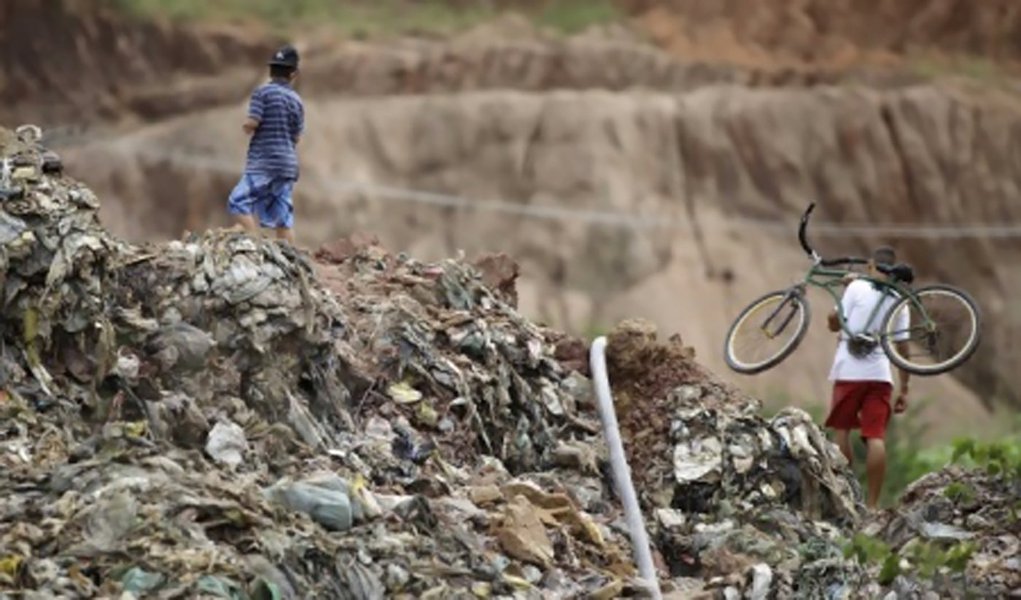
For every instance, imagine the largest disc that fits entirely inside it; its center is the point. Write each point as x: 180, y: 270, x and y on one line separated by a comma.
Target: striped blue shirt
x: 281, y: 116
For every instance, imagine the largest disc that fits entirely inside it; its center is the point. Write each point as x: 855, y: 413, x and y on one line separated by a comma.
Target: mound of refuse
x: 224, y: 416
x: 205, y: 418
x: 738, y: 504
x: 956, y: 533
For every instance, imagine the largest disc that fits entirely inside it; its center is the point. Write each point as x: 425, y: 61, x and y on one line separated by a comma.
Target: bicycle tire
x: 750, y: 369
x: 953, y: 362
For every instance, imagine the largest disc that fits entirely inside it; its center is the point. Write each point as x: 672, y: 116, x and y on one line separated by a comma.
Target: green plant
x: 977, y: 69
x: 377, y: 17
x: 774, y: 400
x: 998, y: 458
x: 927, y: 560
x: 594, y: 330
x: 571, y: 16
x: 959, y: 492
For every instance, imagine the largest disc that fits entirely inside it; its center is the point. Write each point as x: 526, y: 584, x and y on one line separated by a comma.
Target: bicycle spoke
x: 939, y: 332
x: 766, y: 330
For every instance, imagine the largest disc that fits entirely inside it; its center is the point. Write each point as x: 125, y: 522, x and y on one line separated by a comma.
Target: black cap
x: 286, y: 56
x: 884, y: 255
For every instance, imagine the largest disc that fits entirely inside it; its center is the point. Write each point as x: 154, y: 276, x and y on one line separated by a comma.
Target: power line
x: 561, y: 212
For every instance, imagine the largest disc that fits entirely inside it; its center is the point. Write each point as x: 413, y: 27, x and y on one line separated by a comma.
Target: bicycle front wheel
x: 766, y: 332
x: 942, y: 330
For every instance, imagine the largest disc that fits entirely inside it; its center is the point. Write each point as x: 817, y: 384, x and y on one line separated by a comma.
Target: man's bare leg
x: 248, y: 222
x: 285, y: 233
x: 875, y: 468
x: 844, y: 443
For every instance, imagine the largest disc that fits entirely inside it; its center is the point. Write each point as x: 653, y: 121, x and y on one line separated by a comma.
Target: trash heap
x: 227, y: 417
x: 204, y: 418
x: 739, y: 506
x: 970, y: 515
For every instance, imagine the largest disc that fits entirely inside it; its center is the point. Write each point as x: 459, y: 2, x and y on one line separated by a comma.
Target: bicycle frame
x: 829, y: 278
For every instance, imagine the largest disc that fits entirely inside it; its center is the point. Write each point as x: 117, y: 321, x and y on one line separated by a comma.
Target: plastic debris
x: 223, y: 416
x: 227, y: 444
x: 958, y: 508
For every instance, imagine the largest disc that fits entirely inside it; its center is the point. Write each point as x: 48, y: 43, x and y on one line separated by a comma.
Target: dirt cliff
x: 700, y: 164
x: 96, y: 66
x: 77, y: 62
x: 567, y: 134
x: 838, y: 33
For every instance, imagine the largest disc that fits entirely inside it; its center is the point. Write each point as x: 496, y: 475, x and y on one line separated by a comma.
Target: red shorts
x: 861, y: 405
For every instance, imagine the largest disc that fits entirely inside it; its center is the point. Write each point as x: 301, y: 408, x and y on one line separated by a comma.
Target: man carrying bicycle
x: 861, y: 374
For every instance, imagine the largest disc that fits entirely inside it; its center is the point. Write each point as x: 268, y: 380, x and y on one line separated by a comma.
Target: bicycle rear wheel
x: 943, y: 331
x: 766, y: 332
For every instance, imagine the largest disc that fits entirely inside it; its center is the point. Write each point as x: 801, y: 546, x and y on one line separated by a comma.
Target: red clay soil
x: 643, y: 372
x: 831, y: 33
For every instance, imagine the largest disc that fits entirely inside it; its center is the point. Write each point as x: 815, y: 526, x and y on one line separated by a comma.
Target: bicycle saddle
x: 898, y: 272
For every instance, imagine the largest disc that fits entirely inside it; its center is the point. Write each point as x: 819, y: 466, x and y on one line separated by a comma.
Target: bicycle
x: 926, y: 331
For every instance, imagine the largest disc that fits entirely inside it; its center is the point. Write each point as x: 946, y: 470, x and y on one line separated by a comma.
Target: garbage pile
x: 739, y: 506
x: 956, y: 532
x: 204, y: 418
x: 228, y: 417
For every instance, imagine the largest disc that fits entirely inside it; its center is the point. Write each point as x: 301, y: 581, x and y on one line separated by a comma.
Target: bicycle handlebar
x: 844, y: 260
x: 826, y: 262
x: 801, y: 231
x: 901, y: 272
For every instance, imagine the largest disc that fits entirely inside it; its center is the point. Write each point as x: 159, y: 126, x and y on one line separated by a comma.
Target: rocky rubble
x: 222, y: 416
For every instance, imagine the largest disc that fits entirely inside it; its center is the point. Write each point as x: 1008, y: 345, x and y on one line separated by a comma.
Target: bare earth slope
x: 595, y: 123
x: 701, y: 159
x: 78, y: 62
x: 831, y: 32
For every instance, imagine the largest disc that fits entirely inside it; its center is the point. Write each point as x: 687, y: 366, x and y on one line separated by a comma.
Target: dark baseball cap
x: 285, y: 56
x: 884, y: 255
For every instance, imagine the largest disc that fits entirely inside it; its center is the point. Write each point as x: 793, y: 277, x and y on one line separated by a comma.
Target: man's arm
x: 255, y: 105
x: 846, y: 305
x: 250, y: 125
x: 298, y: 123
x: 901, y: 404
x: 903, y: 348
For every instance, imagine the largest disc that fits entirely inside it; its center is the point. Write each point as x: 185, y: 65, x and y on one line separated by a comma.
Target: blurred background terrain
x: 637, y: 158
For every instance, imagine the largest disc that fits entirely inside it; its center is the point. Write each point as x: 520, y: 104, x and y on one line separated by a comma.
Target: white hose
x: 621, y: 471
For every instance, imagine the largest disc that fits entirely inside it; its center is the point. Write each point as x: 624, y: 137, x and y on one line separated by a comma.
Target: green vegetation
x: 924, y: 559
x: 572, y: 16
x: 934, y: 560
x: 977, y: 69
x: 594, y: 330
x: 380, y: 17
x: 908, y: 459
x: 996, y: 458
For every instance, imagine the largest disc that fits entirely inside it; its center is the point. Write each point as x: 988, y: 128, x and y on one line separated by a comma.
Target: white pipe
x: 621, y: 471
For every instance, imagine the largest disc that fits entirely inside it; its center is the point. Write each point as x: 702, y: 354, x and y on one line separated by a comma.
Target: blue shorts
x: 267, y: 197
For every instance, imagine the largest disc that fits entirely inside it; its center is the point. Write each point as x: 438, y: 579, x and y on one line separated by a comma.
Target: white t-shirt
x: 859, y: 299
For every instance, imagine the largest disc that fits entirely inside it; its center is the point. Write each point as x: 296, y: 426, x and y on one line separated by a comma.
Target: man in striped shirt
x: 276, y: 120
